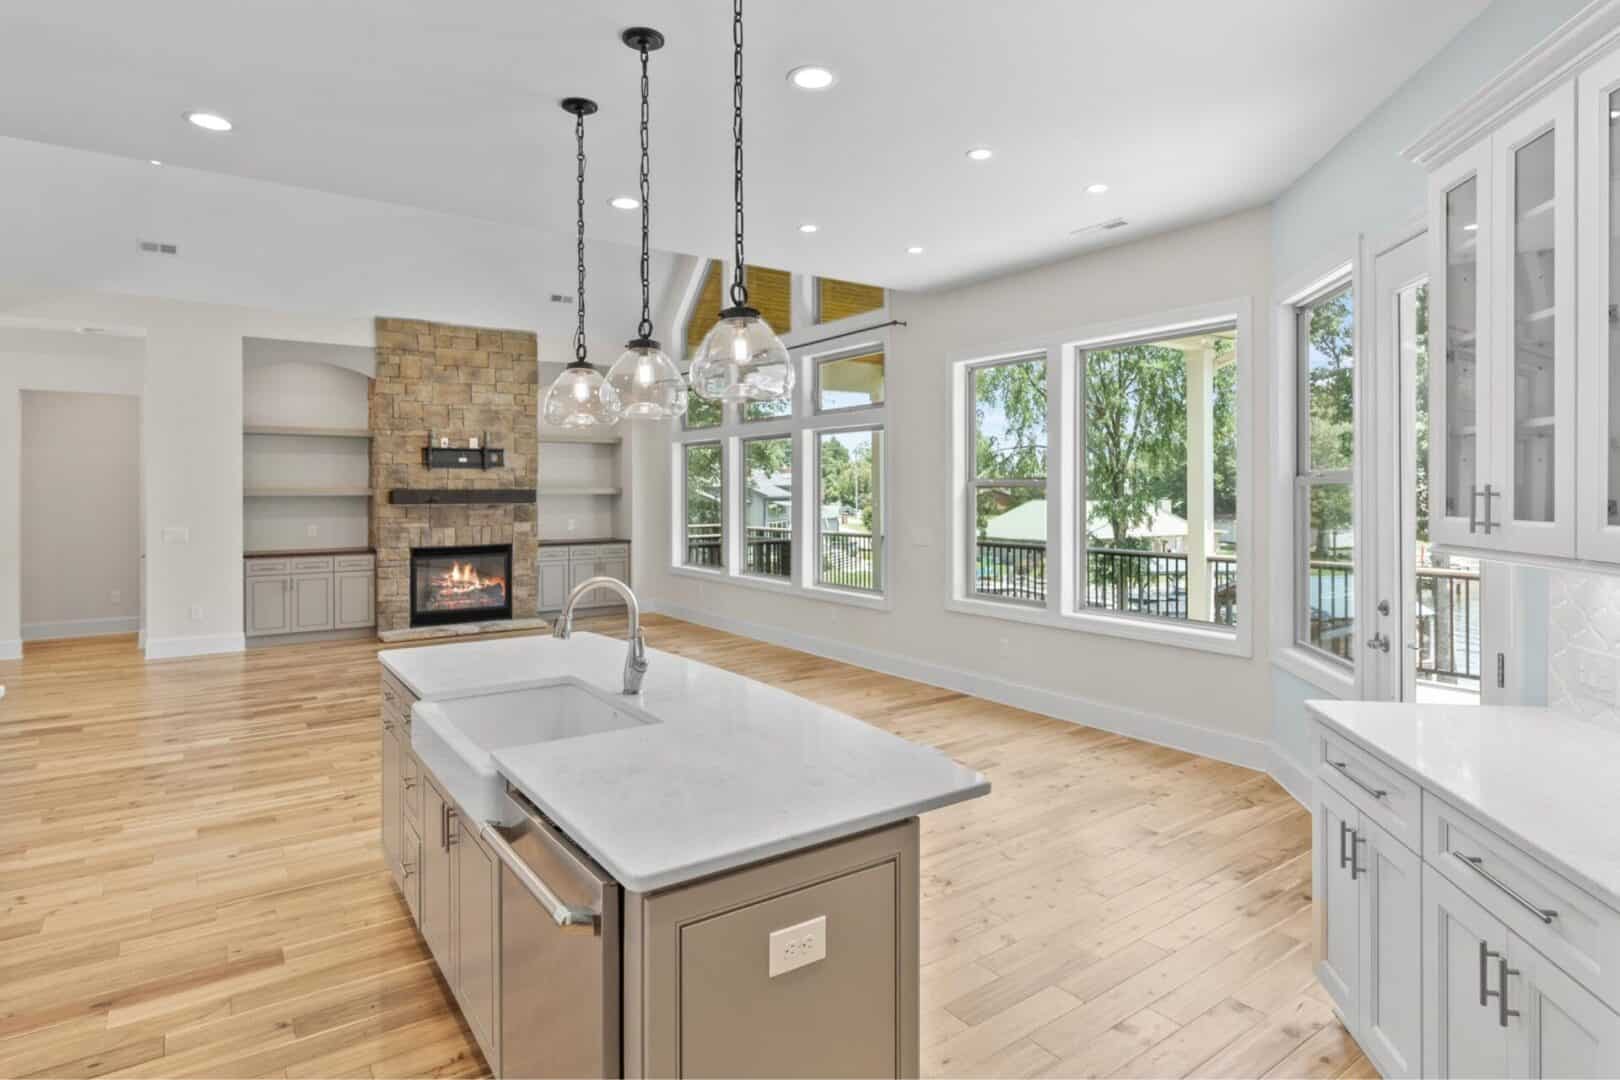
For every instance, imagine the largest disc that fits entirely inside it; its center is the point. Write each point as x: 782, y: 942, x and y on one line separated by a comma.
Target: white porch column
x: 1200, y: 481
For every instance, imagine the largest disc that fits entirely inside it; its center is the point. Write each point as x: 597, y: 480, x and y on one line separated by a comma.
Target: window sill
x: 784, y: 587
x: 1180, y: 636
x: 1327, y: 676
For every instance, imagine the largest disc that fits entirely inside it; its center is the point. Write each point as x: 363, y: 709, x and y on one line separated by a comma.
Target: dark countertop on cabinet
x: 587, y: 541
x: 305, y: 553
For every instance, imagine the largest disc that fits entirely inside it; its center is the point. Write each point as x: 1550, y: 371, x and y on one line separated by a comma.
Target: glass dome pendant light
x: 580, y: 398
x: 741, y: 359
x: 648, y: 384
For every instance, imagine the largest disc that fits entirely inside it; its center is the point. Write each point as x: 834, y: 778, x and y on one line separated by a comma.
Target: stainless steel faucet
x: 635, y: 664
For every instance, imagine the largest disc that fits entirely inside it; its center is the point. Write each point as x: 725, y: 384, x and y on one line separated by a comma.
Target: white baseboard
x: 11, y: 649
x: 1291, y: 776
x: 1149, y: 727
x: 201, y: 645
x: 75, y: 628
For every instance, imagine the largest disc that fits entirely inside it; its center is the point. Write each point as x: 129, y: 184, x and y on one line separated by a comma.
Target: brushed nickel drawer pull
x: 1377, y: 793
x: 1502, y: 973
x: 565, y: 915
x: 1476, y: 863
x: 1356, y: 869
x: 1344, y: 856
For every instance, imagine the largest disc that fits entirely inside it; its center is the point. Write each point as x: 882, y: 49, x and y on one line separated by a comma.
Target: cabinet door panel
x: 1462, y: 1035
x: 477, y: 929
x: 312, y: 602
x: 436, y: 919
x: 553, y: 585
x: 1337, y: 896
x: 1598, y: 112
x: 1461, y: 239
x: 1533, y: 360
x: 1562, y: 1029
x: 390, y: 800
x: 1391, y: 966
x: 410, y: 868
x: 355, y: 606
x: 268, y: 603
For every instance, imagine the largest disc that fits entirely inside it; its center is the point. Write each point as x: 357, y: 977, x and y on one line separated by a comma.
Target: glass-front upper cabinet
x: 1502, y: 224
x: 1598, y: 113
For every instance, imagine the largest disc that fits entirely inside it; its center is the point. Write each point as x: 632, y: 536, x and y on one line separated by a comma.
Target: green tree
x: 1136, y: 434
x: 1017, y: 392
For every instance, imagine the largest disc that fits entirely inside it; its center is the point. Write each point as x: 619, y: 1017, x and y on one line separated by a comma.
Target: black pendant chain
x: 739, y: 287
x: 579, y: 205
x: 644, y: 329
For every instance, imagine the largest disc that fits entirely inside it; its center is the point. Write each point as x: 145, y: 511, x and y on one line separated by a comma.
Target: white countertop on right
x: 1546, y: 779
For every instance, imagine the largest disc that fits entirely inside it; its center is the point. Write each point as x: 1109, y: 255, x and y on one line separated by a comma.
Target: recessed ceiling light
x: 980, y: 153
x: 209, y: 121
x: 807, y: 227
x: 155, y: 161
x: 1472, y: 226
x: 811, y: 77
x: 1614, y: 114
x: 91, y: 330
x: 914, y: 249
x: 624, y: 202
x: 1096, y: 189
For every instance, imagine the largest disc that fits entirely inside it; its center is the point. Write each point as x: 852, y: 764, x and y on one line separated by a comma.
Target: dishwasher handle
x: 567, y: 916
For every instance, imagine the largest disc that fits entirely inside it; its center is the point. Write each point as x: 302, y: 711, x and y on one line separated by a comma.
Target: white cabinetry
x: 1464, y: 956
x: 308, y: 593
x: 562, y: 568
x: 1597, y: 109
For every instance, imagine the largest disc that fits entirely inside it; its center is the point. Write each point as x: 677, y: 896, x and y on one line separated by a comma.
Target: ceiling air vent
x: 561, y: 298
x: 1101, y: 226
x: 154, y: 247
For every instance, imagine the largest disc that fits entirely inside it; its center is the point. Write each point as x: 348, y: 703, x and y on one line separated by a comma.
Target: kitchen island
x: 710, y: 877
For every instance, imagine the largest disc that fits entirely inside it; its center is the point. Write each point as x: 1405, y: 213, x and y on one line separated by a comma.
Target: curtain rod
x: 845, y: 334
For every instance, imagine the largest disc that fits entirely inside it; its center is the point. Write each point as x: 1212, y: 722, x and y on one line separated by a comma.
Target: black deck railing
x: 848, y: 559
x: 1448, y: 623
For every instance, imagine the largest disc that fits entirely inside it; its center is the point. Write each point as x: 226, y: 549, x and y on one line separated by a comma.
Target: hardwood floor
x: 191, y: 882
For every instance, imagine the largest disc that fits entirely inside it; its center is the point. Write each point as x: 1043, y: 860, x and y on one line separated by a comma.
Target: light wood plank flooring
x: 191, y: 882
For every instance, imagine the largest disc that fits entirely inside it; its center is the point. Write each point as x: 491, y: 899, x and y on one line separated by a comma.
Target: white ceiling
x: 1186, y: 108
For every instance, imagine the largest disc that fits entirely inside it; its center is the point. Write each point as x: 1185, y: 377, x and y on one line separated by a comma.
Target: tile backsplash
x: 1583, y: 646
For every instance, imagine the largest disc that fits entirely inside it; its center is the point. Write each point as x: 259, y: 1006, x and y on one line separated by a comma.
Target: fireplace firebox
x: 460, y: 584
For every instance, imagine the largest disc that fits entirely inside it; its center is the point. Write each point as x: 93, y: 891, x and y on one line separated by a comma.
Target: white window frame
x: 1314, y: 666
x: 843, y: 353
x: 858, y: 333
x: 1066, y: 485
x: 977, y: 483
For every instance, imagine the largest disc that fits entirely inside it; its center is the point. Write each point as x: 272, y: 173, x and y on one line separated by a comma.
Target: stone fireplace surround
x: 455, y: 382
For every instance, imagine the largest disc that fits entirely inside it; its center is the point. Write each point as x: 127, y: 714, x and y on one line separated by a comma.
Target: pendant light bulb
x: 580, y: 398
x: 645, y: 381
x: 741, y: 359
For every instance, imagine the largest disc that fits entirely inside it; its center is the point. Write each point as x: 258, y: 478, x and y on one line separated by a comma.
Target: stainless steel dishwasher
x: 561, y: 938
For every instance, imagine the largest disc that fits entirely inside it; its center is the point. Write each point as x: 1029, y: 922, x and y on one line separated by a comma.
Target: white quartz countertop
x: 734, y: 771
x: 1543, y: 778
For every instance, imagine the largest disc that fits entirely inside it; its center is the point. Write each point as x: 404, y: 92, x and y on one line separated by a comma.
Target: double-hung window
x: 1324, y: 548
x: 1007, y: 479
x: 792, y: 494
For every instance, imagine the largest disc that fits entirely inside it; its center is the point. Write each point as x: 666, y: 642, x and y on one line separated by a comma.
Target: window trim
x: 1308, y: 666
x: 1065, y: 484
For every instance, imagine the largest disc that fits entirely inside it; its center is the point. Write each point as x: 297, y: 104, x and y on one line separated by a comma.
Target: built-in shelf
x: 563, y: 489
x: 308, y: 432
x: 580, y: 437
x: 305, y: 492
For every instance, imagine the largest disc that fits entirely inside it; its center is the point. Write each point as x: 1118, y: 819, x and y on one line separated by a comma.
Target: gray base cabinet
x: 563, y: 568
x: 308, y: 594
x: 694, y: 994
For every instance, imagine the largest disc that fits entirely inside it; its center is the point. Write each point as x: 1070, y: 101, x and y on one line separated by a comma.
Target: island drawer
x: 396, y: 703
x: 1563, y: 921
x: 1377, y: 789
x: 410, y: 786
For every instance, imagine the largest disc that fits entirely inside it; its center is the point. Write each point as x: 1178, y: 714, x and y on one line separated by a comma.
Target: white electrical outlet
x: 572, y: 524
x: 1598, y: 674
x: 176, y: 534
x: 312, y: 531
x: 794, y: 947
x: 196, y: 613
x: 116, y: 596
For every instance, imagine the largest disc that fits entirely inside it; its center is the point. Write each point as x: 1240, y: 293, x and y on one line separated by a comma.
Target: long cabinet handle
x: 1356, y: 869
x: 1344, y: 771
x: 1476, y: 863
x: 565, y: 915
x: 1344, y: 855
x: 1502, y: 973
x: 1485, y: 992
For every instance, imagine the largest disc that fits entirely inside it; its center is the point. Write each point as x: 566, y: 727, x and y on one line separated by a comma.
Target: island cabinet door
x: 1463, y: 1033
x: 1555, y: 1026
x: 477, y: 934
x: 1337, y: 894
x: 438, y: 884
x: 1390, y: 971
x: 390, y: 798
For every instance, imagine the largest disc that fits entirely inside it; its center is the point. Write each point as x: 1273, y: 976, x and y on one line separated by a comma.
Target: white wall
x: 80, y: 488
x: 1364, y: 187
x: 54, y: 361
x: 1212, y: 703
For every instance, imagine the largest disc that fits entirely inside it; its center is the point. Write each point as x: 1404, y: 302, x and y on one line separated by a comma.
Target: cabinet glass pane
x: 1462, y: 337
x: 1614, y: 306
x: 1534, y: 415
